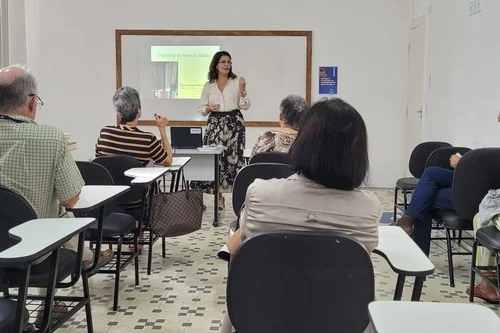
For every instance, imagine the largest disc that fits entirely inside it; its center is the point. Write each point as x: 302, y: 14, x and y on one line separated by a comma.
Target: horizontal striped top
x: 130, y: 141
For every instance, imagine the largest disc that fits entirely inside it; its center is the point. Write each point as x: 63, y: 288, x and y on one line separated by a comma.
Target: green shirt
x: 35, y: 162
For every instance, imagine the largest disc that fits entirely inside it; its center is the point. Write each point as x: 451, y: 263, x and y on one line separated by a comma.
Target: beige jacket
x: 297, y: 203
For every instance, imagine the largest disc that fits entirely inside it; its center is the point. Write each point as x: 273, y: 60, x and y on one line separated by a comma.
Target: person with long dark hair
x: 330, y: 159
x: 222, y: 98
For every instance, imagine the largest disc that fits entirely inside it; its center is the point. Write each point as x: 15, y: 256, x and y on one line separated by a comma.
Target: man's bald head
x: 16, y: 88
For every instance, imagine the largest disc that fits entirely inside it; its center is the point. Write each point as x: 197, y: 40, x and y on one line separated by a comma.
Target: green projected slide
x: 179, y: 72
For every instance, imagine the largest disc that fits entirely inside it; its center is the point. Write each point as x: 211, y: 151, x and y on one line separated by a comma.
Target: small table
x: 405, y: 258
x: 247, y: 153
x: 204, y: 165
x: 146, y: 175
x: 177, y: 167
x: 38, y: 238
x: 427, y: 317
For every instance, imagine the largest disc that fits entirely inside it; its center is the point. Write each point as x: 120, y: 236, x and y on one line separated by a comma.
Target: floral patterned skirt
x: 226, y: 129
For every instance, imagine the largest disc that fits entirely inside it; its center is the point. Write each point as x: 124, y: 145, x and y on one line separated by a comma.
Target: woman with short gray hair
x: 127, y: 139
x: 292, y: 109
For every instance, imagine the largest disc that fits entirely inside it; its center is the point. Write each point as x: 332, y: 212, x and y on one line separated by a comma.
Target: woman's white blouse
x: 229, y: 99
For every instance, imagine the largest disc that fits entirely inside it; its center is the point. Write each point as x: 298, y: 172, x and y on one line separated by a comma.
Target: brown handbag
x: 177, y: 213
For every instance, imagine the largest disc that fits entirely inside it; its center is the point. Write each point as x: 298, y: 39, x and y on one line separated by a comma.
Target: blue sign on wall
x: 328, y: 80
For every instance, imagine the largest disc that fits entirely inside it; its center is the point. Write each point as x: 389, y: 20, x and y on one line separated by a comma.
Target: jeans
x: 433, y: 191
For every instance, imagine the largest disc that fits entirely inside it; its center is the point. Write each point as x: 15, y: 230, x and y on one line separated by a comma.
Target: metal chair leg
x: 450, y: 257
x: 473, y: 272
x: 150, y: 253
x: 136, y: 261
x: 163, y: 251
x: 405, y: 198
x: 396, y: 190
x: 117, y: 274
x: 88, y: 309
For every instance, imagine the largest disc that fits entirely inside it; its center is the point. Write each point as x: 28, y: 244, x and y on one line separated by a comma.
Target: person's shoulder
x: 50, y: 132
x: 267, y: 187
x: 368, y: 198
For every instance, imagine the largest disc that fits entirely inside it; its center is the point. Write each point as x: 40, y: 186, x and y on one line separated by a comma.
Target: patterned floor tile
x: 186, y: 292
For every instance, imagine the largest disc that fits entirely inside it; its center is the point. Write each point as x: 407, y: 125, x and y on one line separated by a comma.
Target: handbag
x: 177, y: 213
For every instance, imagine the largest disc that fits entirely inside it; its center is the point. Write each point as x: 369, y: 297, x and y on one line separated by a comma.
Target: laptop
x: 186, y: 137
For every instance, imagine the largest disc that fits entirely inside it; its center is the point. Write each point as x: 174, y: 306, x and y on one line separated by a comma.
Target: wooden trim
x: 204, y: 123
x: 291, y: 33
x: 309, y: 67
x: 118, y: 55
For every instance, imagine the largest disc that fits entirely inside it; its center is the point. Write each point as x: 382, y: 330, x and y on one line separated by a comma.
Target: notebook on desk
x: 186, y: 137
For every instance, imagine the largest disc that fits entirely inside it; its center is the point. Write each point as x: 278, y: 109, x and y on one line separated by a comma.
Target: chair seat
x: 39, y: 276
x: 489, y: 237
x: 451, y: 219
x: 115, y: 224
x: 407, y: 183
x: 7, y: 315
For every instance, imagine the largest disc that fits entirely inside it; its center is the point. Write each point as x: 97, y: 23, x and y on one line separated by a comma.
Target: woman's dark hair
x: 331, y: 147
x: 212, y: 72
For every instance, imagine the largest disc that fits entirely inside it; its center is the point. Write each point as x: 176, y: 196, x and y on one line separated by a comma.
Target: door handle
x: 419, y: 111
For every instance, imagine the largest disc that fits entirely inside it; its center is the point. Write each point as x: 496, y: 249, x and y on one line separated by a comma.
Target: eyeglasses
x: 225, y: 62
x: 38, y: 100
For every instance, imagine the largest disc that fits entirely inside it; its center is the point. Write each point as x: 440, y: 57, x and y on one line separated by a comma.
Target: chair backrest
x: 296, y: 281
x: 117, y: 165
x: 421, y: 153
x: 15, y: 212
x: 477, y: 172
x: 270, y: 157
x: 441, y: 156
x: 95, y: 174
x: 249, y: 173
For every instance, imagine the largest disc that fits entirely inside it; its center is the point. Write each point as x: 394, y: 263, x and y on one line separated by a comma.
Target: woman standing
x: 221, y: 99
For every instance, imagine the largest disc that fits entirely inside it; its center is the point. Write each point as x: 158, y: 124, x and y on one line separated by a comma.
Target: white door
x: 415, y: 88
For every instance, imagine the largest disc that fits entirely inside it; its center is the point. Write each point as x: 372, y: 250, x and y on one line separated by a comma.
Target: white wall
x: 17, y: 32
x: 464, y: 68
x: 71, y: 50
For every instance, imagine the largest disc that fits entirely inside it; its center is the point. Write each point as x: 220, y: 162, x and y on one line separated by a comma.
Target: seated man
x: 127, y: 139
x: 433, y: 191
x: 35, y: 161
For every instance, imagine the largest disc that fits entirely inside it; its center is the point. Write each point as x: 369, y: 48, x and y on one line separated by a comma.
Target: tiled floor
x: 186, y: 292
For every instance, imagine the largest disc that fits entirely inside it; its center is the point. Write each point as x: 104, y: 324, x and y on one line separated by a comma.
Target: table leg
x: 179, y: 174
x: 172, y: 181
x: 398, y: 293
x: 417, y: 288
x: 49, y: 296
x: 216, y: 193
x: 21, y: 299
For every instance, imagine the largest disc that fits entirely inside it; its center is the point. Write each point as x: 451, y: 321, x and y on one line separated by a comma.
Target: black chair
x: 136, y: 202
x: 488, y: 237
x: 291, y: 281
x: 69, y: 265
x: 270, y: 157
x: 441, y: 156
x: 474, y: 176
x: 418, y: 159
x: 7, y: 314
x: 117, y: 228
x: 248, y: 174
